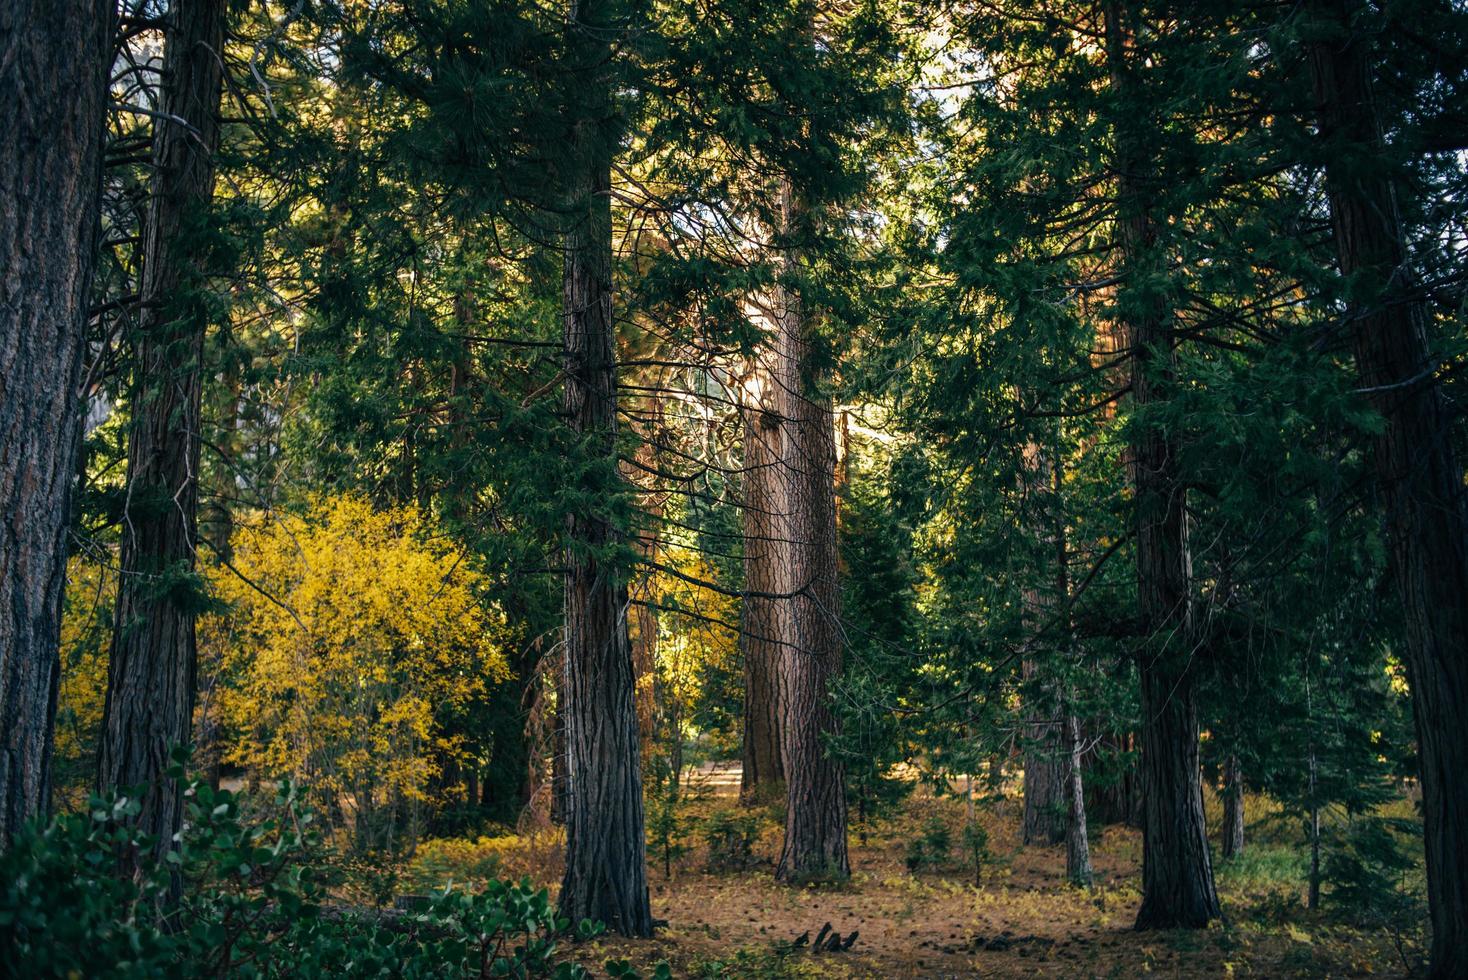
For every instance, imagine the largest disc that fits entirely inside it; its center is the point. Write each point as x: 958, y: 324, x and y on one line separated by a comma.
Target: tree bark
x: 606, y: 858
x: 1177, y: 868
x: 805, y: 527
x: 1420, y: 480
x: 1077, y: 839
x: 760, y: 618
x: 53, y: 73
x: 1045, y: 772
x: 1233, y: 808
x: 150, y: 690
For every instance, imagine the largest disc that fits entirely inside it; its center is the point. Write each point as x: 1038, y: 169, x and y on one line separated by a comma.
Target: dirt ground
x: 1020, y: 920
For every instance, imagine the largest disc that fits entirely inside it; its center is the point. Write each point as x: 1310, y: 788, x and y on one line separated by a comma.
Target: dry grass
x: 1022, y: 920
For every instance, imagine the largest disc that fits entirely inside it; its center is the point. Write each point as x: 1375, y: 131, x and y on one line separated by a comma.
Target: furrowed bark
x: 53, y: 71
x: 606, y: 860
x: 761, y: 617
x: 815, y: 823
x: 1420, y: 480
x: 1177, y: 868
x: 151, y: 671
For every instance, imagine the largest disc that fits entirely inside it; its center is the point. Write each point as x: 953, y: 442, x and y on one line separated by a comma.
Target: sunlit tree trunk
x: 606, y: 859
x: 54, y: 61
x: 1177, y: 868
x: 1419, y: 476
x: 763, y: 619
x: 150, y: 690
x: 810, y: 656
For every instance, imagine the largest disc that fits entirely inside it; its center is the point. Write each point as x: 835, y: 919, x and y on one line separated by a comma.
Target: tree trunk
x: 1077, y: 840
x: 606, y: 858
x: 1045, y: 773
x: 1419, y: 476
x: 1233, y: 808
x: 805, y: 528
x: 760, y: 620
x: 150, y: 690
x: 1177, y: 868
x: 54, y: 75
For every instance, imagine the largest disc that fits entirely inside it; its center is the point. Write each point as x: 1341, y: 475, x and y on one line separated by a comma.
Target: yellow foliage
x: 86, y: 635
x: 351, y: 632
x: 697, y: 628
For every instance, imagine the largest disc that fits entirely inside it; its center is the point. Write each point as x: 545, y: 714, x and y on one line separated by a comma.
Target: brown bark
x: 810, y: 654
x: 606, y: 860
x: 150, y: 690
x: 1177, y: 868
x: 1420, y: 480
x: 1045, y: 772
x: 53, y: 73
x: 760, y: 618
x: 1233, y: 808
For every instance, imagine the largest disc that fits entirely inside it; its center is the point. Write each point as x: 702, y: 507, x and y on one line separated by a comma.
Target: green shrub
x: 253, y: 904
x: 731, y: 837
x: 933, y: 848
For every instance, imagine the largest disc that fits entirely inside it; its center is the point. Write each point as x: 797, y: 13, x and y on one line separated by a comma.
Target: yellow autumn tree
x: 697, y: 633
x: 86, y: 634
x: 351, y: 632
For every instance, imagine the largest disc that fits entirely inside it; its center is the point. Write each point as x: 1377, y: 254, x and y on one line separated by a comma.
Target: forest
x: 733, y: 488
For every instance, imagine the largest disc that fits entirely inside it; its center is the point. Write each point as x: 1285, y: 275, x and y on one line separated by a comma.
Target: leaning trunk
x: 606, y: 860
x: 815, y: 823
x: 54, y: 75
x: 1420, y: 480
x: 150, y: 690
x: 1177, y: 869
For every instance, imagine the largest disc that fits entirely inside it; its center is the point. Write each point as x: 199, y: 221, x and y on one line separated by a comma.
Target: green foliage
x: 1373, y: 873
x: 976, y: 848
x: 730, y: 836
x: 253, y: 904
x: 933, y: 847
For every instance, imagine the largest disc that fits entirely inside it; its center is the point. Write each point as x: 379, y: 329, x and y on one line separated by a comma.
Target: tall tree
x: 760, y: 614
x: 1177, y: 870
x: 805, y: 530
x: 1421, y: 482
x: 54, y: 73
x: 150, y: 691
x: 606, y: 860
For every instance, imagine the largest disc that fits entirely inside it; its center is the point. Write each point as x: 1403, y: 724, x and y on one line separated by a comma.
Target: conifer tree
x: 150, y: 692
x: 55, y: 75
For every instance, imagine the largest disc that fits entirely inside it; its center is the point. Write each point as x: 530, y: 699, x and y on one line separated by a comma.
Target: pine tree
x: 55, y: 74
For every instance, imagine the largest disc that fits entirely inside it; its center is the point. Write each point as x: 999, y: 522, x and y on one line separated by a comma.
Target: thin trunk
x: 606, y: 851
x: 1419, y: 476
x: 810, y: 656
x: 760, y: 619
x: 1177, y: 868
x: 54, y: 75
x: 1233, y: 808
x: 1312, y: 901
x: 1077, y: 840
x: 150, y: 690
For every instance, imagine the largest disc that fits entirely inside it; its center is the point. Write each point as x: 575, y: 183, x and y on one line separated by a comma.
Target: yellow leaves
x: 351, y: 633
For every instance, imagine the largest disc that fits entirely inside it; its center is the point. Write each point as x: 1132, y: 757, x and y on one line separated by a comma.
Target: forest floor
x: 1021, y: 919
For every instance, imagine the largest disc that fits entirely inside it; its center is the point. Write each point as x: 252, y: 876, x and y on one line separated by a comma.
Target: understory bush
x: 252, y: 902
